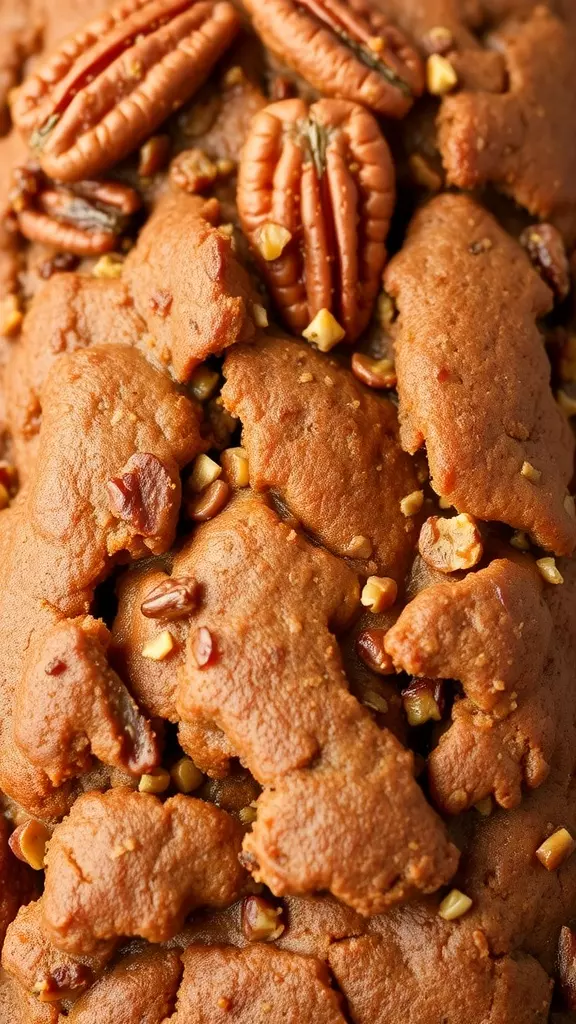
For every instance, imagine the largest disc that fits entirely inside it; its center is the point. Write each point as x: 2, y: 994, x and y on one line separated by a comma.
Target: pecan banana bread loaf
x: 287, y: 526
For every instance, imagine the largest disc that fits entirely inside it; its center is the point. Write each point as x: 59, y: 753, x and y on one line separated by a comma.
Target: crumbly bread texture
x: 287, y: 576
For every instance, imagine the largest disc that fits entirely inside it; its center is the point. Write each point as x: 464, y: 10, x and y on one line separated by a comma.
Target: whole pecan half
x: 85, y: 220
x: 316, y: 191
x: 109, y: 86
x: 345, y: 48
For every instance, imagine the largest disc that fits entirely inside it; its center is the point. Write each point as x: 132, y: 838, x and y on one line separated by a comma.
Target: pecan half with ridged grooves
x: 109, y: 86
x: 85, y: 220
x: 315, y: 196
x: 345, y: 48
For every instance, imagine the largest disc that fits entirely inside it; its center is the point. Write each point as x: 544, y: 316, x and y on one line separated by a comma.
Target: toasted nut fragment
x: 193, y: 171
x: 531, y: 473
x: 235, y: 465
x: 259, y: 315
x: 424, y: 174
x: 144, y: 495
x: 160, y: 647
x: 375, y: 373
x: 549, y: 570
x: 210, y: 502
x: 28, y: 843
x: 8, y: 477
x: 154, y: 155
x: 186, y: 776
x: 171, y: 599
x: 545, y: 247
x: 520, y: 541
x: 64, y: 981
x: 248, y: 815
x: 450, y: 544
x: 567, y: 402
x: 423, y: 701
x: 261, y: 920
x: 375, y: 701
x: 567, y: 966
x: 370, y: 648
x: 454, y: 905
x: 109, y: 266
x: 440, y: 75
x: 271, y: 240
x: 359, y: 547
x: 554, y: 851
x: 204, y: 472
x: 438, y: 40
x: 412, y: 503
x: 324, y: 331
x: 203, y: 383
x: 202, y: 647
x: 379, y: 593
x: 485, y: 806
x: 11, y: 316
x: 156, y: 781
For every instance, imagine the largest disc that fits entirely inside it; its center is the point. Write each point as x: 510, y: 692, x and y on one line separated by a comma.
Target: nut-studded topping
x: 173, y: 598
x: 345, y: 49
x: 375, y: 373
x: 28, y: 843
x: 423, y: 701
x: 261, y: 920
x: 84, y: 221
x: 108, y: 87
x: 567, y: 966
x: 379, y: 593
x: 556, y: 849
x: 450, y: 544
x: 208, y: 504
x: 315, y: 196
x: 545, y: 247
x: 144, y: 494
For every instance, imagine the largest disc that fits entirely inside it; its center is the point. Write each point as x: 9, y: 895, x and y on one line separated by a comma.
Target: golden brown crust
x: 328, y: 447
x: 141, y: 989
x: 473, y: 373
x: 124, y: 864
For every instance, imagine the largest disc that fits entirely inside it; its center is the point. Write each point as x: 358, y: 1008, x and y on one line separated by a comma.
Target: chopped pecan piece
x: 145, y: 496
x: 346, y: 50
x: 323, y: 175
x: 107, y: 88
x: 333, y: 758
x: 109, y: 862
x: 450, y: 545
x: 546, y: 249
x: 173, y: 598
x: 481, y: 384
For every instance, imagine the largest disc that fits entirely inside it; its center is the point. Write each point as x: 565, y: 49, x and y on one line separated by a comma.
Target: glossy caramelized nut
x: 204, y: 472
x: 208, y: 504
x: 144, y: 494
x: 556, y: 849
x: 454, y: 905
x: 106, y: 88
x: 450, y: 544
x: 173, y: 598
x: 235, y: 466
x: 370, y: 648
x: 345, y: 48
x: 186, y: 776
x: 315, y: 196
x: 156, y: 781
x: 423, y: 701
x: 545, y: 247
x: 375, y: 373
x: 261, y: 920
x: 28, y: 842
x: 379, y: 593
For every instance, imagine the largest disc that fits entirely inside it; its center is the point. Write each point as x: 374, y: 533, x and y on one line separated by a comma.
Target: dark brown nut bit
x: 208, y: 504
x: 450, y: 544
x: 346, y: 50
x: 545, y: 247
x: 315, y: 196
x: 567, y: 967
x: 193, y: 171
x: 423, y: 701
x: 375, y: 373
x: 64, y: 981
x: 108, y: 87
x: 154, y: 155
x: 85, y: 221
x: 370, y: 648
x: 144, y: 495
x: 171, y: 599
x: 261, y: 920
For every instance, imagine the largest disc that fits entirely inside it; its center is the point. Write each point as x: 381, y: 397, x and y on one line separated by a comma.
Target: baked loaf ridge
x: 287, y: 526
